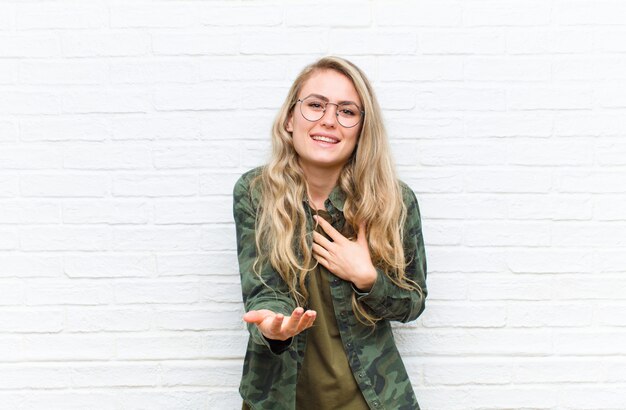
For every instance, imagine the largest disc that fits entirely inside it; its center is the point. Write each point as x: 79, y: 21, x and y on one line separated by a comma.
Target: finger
x: 321, y: 240
x: 277, y: 323
x: 307, y: 320
x: 328, y: 228
x: 322, y: 261
x: 254, y: 316
x: 289, y: 328
x: 318, y: 250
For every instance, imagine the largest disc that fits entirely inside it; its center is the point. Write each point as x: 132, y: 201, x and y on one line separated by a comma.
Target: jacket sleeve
x: 387, y: 300
x: 267, y: 291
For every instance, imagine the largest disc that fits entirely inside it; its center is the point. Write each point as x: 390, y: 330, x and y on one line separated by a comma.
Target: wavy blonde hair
x: 373, y: 195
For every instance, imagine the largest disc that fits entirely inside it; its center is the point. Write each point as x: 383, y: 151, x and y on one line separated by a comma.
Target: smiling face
x: 324, y: 144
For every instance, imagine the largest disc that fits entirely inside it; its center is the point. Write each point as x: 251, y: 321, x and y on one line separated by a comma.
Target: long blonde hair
x: 373, y: 195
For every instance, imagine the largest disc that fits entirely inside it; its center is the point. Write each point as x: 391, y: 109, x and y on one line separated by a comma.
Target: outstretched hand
x: 348, y: 259
x: 276, y: 326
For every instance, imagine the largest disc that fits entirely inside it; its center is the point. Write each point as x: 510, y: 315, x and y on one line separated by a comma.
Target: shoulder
x: 409, y: 199
x: 245, y: 186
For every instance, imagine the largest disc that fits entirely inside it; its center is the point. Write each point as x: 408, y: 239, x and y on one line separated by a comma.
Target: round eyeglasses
x: 348, y: 113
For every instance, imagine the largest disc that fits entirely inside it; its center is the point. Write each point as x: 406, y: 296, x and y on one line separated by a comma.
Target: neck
x: 320, y: 183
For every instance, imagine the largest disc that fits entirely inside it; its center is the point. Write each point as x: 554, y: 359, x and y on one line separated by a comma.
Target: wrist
x: 367, y: 280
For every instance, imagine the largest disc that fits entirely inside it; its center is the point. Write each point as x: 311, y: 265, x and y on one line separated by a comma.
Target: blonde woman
x: 330, y: 251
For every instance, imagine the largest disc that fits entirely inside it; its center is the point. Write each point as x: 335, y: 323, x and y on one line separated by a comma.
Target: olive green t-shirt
x: 325, y: 380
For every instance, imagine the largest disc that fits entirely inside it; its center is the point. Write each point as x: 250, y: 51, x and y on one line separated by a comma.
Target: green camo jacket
x: 271, y: 369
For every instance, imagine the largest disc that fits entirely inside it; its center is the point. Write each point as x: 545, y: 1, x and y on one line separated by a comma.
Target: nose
x: 330, y: 117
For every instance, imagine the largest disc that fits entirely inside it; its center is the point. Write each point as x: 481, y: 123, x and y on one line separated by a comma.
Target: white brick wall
x: 124, y: 125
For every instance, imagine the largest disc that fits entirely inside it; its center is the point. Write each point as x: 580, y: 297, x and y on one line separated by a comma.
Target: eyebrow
x: 321, y: 97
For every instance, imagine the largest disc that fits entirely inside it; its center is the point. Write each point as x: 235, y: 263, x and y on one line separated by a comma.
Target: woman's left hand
x: 349, y: 260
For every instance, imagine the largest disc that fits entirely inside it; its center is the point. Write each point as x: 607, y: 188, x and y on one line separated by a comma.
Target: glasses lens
x: 348, y: 115
x: 313, y: 108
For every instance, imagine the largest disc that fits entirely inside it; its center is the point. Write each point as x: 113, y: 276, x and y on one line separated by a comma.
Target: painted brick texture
x: 124, y: 125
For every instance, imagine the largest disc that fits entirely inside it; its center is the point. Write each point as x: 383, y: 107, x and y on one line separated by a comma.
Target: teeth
x: 324, y: 139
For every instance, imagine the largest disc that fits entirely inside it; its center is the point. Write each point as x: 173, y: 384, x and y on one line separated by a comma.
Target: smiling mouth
x: 321, y: 138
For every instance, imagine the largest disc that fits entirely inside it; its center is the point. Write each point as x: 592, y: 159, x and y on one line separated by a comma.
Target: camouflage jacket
x: 271, y: 368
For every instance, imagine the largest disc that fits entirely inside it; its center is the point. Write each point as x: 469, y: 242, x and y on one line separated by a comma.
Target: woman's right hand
x: 276, y: 326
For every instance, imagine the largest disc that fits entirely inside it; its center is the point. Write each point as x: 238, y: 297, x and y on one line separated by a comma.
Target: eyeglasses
x: 348, y: 114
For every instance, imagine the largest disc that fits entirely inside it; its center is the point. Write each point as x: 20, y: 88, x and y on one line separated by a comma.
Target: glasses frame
x: 326, y: 103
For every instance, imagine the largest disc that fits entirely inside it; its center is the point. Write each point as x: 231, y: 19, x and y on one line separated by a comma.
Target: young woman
x: 330, y: 251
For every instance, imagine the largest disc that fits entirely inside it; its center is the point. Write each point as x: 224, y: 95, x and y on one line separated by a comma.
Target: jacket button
x: 348, y: 344
x: 376, y: 403
x: 343, y: 314
x: 361, y: 375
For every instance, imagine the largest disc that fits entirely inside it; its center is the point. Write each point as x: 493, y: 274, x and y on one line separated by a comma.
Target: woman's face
x: 324, y: 144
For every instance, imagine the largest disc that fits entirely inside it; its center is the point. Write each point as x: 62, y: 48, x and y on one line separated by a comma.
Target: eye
x: 347, y: 112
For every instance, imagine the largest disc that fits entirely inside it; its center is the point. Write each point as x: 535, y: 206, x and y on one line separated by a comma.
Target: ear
x: 289, y: 126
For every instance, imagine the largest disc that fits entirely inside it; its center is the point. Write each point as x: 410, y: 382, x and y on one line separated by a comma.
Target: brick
x: 8, y: 72
x: 11, y: 348
x: 442, y: 206
x: 509, y: 180
x: 539, y: 40
x: 154, y: 185
x: 516, y: 397
x: 154, y: 71
x: 218, y: 237
x: 109, y: 44
x: 344, y: 14
x: 152, y: 239
x: 29, y: 376
x: 507, y: 68
x: 581, y: 181
x: 115, y: 375
x: 469, y: 371
x: 585, y: 124
x: 273, y: 42
x: 64, y: 185
x: 29, y: 45
x: 214, y: 319
x: 602, y: 397
x: 442, y: 233
x: 159, y: 15
x: 11, y: 293
x: 65, y: 238
x: 433, y: 180
x: 221, y: 289
x: 60, y: 16
x: 153, y: 347
x: 106, y: 211
x: 508, y: 124
x: 242, y: 69
x: 552, y: 97
x: 597, y: 287
x: 610, y: 153
x: 456, y: 260
x: 551, y: 260
x: 217, y: 155
x: 610, y: 314
x: 109, y: 266
x: 351, y: 42
x: 63, y: 73
x: 29, y: 212
x: 225, y: 345
x: 63, y: 129
x: 218, y: 183
x: 557, y: 370
x: 214, y: 210
x: 507, y: 13
x: 447, y: 287
x: 510, y: 287
x: 253, y: 154
x: 548, y: 315
x: 427, y: 68
x: 194, y: 98
x: 485, y: 342
x: 155, y: 291
x: 155, y: 127
x: 99, y: 156
x: 608, y: 39
x: 400, y: 126
x: 112, y: 100
x: 240, y: 15
x: 588, y: 234
x: 26, y: 102
x: 9, y: 239
x: 69, y: 347
x: 590, y: 343
x: 451, y: 98
x: 459, y: 153
x: 60, y: 400
x: 464, y: 315
x: 507, y: 233
x: 214, y: 373
x: 8, y: 131
x: 107, y: 319
x: 31, y: 321
x: 211, y: 43
x: 425, y: 13
x: 67, y: 292
x: 580, y: 12
x: 466, y: 41
x: 213, y: 263
x: 9, y: 186
x: 30, y: 265
x: 609, y: 260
